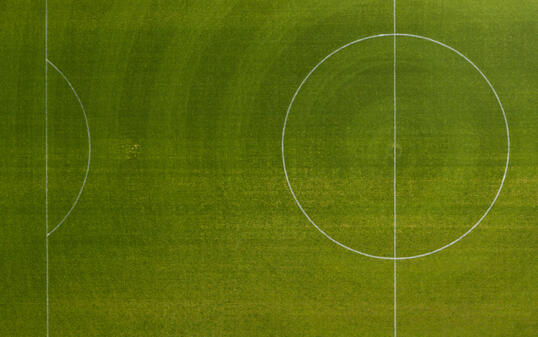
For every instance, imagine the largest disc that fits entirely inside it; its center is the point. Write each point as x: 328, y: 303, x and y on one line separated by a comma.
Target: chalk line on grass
x: 395, y: 257
x: 89, y: 149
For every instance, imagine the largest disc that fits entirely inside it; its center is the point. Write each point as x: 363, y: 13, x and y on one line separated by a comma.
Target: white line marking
x: 89, y: 149
x: 394, y: 168
x: 47, y: 164
x: 392, y: 257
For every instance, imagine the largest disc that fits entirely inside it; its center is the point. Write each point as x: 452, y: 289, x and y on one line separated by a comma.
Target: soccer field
x: 268, y: 168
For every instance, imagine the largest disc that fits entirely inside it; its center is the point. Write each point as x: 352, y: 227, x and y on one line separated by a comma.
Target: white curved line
x: 89, y: 148
x: 402, y: 257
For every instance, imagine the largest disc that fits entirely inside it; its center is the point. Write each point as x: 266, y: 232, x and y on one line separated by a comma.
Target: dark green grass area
x: 186, y: 226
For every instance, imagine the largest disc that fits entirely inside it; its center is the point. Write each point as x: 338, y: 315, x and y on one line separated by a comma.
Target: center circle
x: 397, y: 148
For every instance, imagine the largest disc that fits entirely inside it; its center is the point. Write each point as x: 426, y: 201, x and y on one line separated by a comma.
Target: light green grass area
x: 186, y: 226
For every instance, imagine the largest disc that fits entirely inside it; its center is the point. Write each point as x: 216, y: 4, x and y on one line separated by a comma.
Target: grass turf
x: 186, y: 226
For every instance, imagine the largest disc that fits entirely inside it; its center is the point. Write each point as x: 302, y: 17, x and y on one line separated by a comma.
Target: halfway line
x: 394, y: 167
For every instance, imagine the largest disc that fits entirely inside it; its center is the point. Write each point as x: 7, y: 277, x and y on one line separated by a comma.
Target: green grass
x: 186, y: 226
